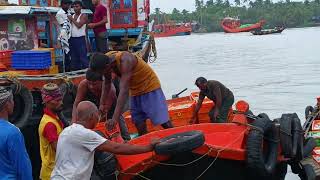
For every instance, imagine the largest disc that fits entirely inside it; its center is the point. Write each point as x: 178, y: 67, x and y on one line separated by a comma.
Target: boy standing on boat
x: 14, y: 160
x: 99, y: 26
x: 218, y: 93
x: 78, y: 48
x: 78, y: 143
x: 90, y: 89
x: 137, y: 78
x: 49, y: 128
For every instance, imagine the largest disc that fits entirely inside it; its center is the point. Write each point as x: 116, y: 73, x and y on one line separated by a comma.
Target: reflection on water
x: 275, y: 73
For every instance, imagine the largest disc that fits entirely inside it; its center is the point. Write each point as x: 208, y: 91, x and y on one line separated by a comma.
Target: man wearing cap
x: 49, y: 128
x: 14, y: 160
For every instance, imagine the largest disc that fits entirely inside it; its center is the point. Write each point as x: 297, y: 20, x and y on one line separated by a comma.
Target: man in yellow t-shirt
x: 49, y: 128
x: 137, y: 78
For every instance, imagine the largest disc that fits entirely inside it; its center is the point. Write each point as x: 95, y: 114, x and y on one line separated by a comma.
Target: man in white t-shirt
x: 77, y: 144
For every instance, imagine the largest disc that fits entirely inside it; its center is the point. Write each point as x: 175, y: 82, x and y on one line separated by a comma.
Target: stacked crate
x: 53, y: 68
x: 32, y: 62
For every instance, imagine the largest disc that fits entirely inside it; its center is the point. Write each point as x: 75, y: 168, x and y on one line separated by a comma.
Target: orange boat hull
x: 227, y: 141
x: 238, y: 29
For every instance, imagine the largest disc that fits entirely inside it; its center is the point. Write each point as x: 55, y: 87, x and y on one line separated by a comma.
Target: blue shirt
x: 14, y: 160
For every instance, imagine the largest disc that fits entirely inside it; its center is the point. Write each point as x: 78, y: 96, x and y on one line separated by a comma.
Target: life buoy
x: 23, y: 103
x: 262, y: 161
x: 180, y: 142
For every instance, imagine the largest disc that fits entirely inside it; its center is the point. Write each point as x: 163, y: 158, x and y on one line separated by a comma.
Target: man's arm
x: 218, y: 101
x: 198, y: 105
x: 104, y: 20
x: 124, y: 149
x: 106, y: 87
x: 126, y: 73
x: 51, y: 134
x: 81, y: 93
x: 83, y: 20
x: 19, y: 157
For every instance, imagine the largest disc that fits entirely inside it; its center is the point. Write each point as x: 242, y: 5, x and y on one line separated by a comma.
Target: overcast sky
x: 168, y: 5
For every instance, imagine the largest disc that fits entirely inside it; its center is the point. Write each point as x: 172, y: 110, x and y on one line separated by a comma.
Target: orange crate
x: 5, y: 58
x: 207, y: 104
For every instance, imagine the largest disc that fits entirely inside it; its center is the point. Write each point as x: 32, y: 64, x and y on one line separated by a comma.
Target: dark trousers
x: 102, y: 42
x: 223, y: 111
x: 78, y: 51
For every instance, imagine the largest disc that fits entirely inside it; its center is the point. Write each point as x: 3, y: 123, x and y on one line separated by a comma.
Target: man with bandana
x: 49, y: 128
x: 14, y: 160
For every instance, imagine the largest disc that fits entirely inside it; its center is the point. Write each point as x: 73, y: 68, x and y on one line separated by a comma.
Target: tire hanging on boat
x: 309, y: 144
x: 262, y: 161
x: 180, y: 142
x: 23, y: 105
x: 291, y: 137
x: 308, y: 111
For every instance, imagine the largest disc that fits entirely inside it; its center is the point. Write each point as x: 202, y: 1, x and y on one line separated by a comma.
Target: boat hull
x: 239, y: 29
x: 174, y: 32
x: 266, y: 32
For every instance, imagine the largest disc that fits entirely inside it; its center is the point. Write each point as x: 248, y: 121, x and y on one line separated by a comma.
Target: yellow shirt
x: 47, y: 153
x: 143, y: 80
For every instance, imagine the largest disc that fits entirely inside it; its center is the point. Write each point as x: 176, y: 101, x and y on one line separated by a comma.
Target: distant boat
x: 166, y: 30
x: 268, y: 31
x: 233, y: 25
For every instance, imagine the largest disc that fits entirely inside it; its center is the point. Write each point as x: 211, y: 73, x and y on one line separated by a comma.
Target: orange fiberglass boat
x: 236, y: 150
x: 232, y: 25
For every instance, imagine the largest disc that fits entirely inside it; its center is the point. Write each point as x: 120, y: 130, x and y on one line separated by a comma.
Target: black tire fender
x: 262, y: 161
x: 309, y: 145
x: 290, y: 136
x: 180, y: 142
x: 23, y: 105
x: 308, y: 111
x: 307, y: 172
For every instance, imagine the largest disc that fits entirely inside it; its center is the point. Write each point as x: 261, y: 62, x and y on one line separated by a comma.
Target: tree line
x: 210, y: 13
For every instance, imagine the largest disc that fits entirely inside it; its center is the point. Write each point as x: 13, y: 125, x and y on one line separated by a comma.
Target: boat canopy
x: 29, y: 10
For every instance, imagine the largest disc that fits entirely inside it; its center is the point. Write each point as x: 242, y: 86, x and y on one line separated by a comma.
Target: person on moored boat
x: 147, y: 100
x: 14, y: 159
x: 77, y: 145
x: 90, y: 89
x: 218, y: 93
x: 78, y: 43
x: 49, y: 128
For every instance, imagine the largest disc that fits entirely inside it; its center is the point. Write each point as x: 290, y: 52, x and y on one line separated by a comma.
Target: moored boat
x: 229, y: 151
x: 268, y: 31
x: 166, y: 30
x: 233, y: 25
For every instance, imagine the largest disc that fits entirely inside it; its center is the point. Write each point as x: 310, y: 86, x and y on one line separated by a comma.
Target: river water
x: 275, y: 74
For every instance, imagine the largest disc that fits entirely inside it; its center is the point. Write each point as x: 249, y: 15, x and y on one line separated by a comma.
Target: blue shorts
x: 152, y: 105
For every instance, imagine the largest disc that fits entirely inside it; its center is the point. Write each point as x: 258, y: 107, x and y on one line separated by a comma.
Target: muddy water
x: 275, y: 73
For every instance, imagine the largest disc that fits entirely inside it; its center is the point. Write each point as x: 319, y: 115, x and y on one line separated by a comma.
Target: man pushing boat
x: 218, y: 93
x: 137, y: 78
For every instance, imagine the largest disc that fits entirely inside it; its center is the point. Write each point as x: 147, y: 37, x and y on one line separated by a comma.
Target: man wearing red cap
x: 49, y: 128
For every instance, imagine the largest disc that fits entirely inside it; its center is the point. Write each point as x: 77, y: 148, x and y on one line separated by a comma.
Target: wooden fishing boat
x: 268, y: 31
x: 28, y: 25
x: 166, y: 30
x: 233, y: 25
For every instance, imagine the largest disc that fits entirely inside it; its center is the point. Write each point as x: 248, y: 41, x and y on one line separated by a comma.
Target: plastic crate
x: 5, y: 58
x: 51, y: 50
x: 32, y: 60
